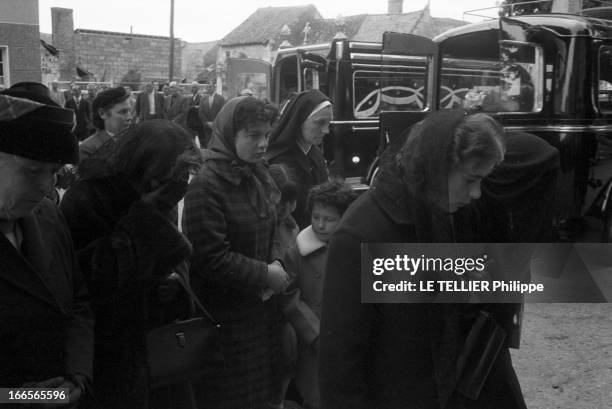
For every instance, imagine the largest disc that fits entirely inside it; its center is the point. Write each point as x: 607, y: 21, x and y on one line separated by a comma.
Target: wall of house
x: 49, y: 66
x: 111, y: 56
x: 19, y: 41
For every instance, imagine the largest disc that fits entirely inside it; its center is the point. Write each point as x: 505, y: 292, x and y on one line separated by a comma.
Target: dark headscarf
x: 518, y: 196
x: 409, y: 181
x: 34, y: 126
x: 288, y: 129
x: 222, y: 146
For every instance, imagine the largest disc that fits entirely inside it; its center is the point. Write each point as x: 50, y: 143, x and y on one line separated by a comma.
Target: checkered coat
x: 232, y: 241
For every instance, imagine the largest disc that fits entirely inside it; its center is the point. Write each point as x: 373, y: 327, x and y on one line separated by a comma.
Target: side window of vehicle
x: 604, y: 92
x: 398, y: 85
x: 511, y: 83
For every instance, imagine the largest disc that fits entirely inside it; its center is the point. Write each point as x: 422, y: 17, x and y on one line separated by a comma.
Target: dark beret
x: 109, y: 97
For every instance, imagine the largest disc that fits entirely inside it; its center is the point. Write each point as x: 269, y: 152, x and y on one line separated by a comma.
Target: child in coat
x: 306, y: 264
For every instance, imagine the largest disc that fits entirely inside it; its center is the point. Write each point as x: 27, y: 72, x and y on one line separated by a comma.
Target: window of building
x: 4, y: 72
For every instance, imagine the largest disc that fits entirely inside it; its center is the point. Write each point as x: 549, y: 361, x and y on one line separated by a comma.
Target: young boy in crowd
x: 306, y: 264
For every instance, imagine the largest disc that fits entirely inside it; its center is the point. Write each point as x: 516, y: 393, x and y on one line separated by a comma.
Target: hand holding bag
x: 183, y: 350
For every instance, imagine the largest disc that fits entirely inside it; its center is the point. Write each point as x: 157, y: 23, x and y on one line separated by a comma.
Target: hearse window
x: 511, y: 83
x: 257, y: 82
x: 605, y: 79
x: 399, y: 84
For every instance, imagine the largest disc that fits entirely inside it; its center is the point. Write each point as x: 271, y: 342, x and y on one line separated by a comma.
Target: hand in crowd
x: 74, y: 391
x: 168, y: 289
x: 277, y: 279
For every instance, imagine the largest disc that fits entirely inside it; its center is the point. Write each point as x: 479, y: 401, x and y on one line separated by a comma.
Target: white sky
x: 209, y: 20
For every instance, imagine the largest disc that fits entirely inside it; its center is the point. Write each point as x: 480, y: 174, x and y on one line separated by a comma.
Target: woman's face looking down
x: 316, y: 126
x: 464, y: 182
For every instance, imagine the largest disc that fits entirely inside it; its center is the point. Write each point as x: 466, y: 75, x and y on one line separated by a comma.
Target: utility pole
x: 171, y: 71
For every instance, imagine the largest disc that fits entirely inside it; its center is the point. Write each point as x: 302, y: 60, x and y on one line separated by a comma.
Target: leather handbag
x: 184, y: 350
x: 482, y: 345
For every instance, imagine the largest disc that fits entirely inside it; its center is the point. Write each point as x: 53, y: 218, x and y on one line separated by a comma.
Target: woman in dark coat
x: 390, y: 356
x: 295, y: 142
x: 121, y: 218
x: 230, y: 217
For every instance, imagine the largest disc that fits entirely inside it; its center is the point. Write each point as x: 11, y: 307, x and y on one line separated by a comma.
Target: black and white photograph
x: 306, y: 204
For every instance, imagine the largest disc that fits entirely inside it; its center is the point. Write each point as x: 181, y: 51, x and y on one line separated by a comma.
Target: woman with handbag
x: 388, y: 356
x: 230, y: 217
x: 121, y: 216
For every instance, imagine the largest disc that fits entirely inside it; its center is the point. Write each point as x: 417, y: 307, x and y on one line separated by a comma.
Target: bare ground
x: 565, y: 359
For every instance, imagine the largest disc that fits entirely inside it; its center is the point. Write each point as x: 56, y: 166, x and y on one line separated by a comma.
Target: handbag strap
x: 195, y: 299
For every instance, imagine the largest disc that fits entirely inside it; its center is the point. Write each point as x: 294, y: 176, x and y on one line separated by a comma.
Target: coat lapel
x: 39, y: 255
x: 20, y: 273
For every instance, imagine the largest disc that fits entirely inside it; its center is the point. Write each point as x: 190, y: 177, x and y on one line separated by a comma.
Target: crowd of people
x: 194, y: 112
x: 268, y: 242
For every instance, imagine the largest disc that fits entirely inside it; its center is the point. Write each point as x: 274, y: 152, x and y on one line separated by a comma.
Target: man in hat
x: 210, y: 105
x: 111, y: 114
x: 46, y: 336
x: 149, y: 104
x: 176, y: 105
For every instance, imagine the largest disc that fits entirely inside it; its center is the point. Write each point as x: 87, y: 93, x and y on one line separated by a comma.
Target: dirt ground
x: 565, y: 358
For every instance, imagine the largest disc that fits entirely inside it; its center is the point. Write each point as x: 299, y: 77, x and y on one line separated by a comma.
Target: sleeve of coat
x: 204, y: 222
x: 79, y: 346
x: 347, y: 329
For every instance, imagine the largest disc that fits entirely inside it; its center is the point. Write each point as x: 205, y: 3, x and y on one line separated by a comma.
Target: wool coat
x: 125, y: 248
x: 390, y: 356
x: 47, y: 323
x: 232, y: 240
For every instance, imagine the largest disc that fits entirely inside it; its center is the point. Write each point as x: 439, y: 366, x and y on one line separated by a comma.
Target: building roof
x: 266, y: 23
x: 417, y: 22
x: 115, y: 33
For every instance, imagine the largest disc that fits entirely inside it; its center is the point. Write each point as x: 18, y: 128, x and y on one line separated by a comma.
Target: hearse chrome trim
x: 561, y: 128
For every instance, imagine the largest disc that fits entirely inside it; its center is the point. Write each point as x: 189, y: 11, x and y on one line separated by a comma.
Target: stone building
x: 94, y: 55
x: 49, y: 60
x: 19, y: 42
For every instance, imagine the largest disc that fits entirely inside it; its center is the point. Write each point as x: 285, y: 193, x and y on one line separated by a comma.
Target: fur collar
x: 308, y: 242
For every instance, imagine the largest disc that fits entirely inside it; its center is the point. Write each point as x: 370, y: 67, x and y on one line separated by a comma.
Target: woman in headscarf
x: 230, y: 218
x: 389, y: 356
x: 120, y: 214
x: 295, y: 142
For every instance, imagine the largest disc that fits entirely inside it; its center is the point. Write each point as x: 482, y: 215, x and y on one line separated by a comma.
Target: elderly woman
x: 295, y: 142
x: 389, y: 356
x: 230, y: 218
x: 120, y: 215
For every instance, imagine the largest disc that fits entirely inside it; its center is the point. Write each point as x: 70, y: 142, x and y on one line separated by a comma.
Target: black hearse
x: 550, y: 75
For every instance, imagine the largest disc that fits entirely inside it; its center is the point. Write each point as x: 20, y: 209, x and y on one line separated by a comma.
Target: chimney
x: 567, y: 6
x: 395, y: 6
x: 63, y: 39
